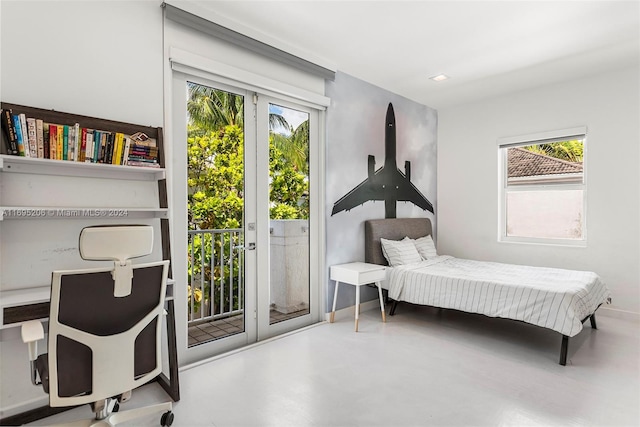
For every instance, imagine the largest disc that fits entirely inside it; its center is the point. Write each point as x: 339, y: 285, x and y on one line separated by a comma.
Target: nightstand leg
x: 335, y: 298
x: 357, y: 305
x: 384, y: 317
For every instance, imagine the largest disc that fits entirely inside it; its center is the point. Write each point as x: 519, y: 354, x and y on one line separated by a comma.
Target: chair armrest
x: 32, y: 331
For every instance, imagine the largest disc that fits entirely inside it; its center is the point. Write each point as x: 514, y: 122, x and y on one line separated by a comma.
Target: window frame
x: 504, y: 189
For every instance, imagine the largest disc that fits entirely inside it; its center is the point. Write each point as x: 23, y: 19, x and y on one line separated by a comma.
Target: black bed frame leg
x: 393, y: 308
x: 593, y: 321
x: 563, y: 350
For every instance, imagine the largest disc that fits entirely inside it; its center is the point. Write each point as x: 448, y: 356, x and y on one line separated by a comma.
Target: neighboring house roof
x: 524, y: 163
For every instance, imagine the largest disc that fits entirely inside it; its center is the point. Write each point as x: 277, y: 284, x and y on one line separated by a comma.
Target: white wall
x: 608, y: 105
x: 95, y: 58
x: 355, y: 130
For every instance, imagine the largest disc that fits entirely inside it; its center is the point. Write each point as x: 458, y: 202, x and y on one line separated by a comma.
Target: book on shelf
x: 71, y: 141
x: 65, y: 143
x: 22, y: 120
x: 40, y: 138
x: 46, y: 146
x: 97, y: 144
x: 20, y: 141
x: 53, y: 141
x: 76, y: 141
x: 59, y: 142
x: 10, y: 132
x: 88, y: 155
x: 83, y: 145
x: 103, y: 147
x: 29, y: 136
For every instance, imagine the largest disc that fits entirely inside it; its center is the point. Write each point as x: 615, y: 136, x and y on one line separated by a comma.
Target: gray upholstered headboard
x: 392, y: 229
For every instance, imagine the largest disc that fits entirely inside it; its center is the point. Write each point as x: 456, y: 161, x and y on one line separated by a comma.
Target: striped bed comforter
x: 549, y: 297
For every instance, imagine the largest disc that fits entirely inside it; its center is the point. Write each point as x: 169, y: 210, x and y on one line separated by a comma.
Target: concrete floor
x: 424, y: 367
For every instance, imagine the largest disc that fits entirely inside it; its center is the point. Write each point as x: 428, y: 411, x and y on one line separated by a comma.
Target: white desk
x: 357, y: 274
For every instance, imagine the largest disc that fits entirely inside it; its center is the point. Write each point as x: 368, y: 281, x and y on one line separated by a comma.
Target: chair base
x: 117, y: 418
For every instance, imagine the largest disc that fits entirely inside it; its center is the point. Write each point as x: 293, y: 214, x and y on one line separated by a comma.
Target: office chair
x: 104, y: 328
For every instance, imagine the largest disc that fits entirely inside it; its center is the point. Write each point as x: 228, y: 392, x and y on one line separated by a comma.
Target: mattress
x: 552, y: 298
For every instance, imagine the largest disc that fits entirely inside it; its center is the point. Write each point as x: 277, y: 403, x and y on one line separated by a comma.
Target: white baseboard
x: 350, y: 312
x: 619, y: 314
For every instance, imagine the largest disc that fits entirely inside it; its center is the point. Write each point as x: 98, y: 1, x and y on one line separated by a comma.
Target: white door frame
x: 256, y: 320
x: 188, y: 355
x: 265, y: 330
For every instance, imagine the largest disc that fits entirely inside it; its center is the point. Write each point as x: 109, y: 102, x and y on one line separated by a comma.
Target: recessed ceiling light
x: 439, y: 78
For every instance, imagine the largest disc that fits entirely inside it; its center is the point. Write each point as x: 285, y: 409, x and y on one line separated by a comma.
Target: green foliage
x: 212, y: 109
x: 289, y: 190
x: 216, y: 179
x: 571, y: 151
x: 215, y: 197
x: 294, y: 147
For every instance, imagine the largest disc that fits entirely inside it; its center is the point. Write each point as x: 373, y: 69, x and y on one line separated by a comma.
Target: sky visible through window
x: 293, y: 117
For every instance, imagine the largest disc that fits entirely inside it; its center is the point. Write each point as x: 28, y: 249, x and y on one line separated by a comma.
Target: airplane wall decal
x: 387, y: 183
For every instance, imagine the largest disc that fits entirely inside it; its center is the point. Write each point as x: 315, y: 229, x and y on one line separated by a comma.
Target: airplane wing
x: 363, y: 192
x: 407, y: 192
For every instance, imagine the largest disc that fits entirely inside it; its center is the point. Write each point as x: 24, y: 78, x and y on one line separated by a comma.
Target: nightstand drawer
x: 358, y: 273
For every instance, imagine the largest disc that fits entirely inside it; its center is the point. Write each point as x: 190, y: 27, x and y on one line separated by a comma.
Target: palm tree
x: 571, y: 151
x: 212, y: 109
x: 295, y: 147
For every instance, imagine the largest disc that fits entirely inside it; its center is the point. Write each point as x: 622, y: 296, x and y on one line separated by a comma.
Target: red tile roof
x: 523, y: 163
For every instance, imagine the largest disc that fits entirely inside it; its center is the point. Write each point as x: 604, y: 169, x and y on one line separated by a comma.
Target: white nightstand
x: 357, y: 274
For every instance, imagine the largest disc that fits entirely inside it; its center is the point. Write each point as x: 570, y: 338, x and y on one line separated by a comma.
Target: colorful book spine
x: 25, y: 135
x: 117, y: 158
x: 77, y: 141
x: 103, y: 147
x: 72, y: 140
x: 83, y: 145
x: 19, y: 139
x: 10, y: 132
x: 40, y: 137
x: 53, y: 142
x: 97, y: 138
x: 60, y: 145
x: 127, y: 147
x: 32, y: 136
x: 46, y: 144
x: 65, y: 142
x: 88, y: 157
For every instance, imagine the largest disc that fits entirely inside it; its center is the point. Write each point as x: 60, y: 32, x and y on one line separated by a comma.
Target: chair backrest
x: 100, y: 344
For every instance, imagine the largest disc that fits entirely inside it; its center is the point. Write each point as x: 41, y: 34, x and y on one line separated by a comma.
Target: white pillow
x: 398, y: 252
x: 426, y: 248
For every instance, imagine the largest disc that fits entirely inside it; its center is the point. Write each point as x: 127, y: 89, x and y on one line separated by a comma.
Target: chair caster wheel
x: 167, y: 419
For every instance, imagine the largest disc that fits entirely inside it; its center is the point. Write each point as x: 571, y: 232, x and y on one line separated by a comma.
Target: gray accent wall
x: 355, y: 130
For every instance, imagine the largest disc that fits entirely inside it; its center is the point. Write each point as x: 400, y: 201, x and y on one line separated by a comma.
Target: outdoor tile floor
x: 208, y: 331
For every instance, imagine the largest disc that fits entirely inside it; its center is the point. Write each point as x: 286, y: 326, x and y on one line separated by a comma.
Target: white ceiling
x: 487, y: 48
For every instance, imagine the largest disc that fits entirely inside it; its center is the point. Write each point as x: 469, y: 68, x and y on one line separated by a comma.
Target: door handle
x: 247, y: 247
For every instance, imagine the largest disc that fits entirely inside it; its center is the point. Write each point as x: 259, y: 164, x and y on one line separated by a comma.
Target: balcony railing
x: 216, y: 261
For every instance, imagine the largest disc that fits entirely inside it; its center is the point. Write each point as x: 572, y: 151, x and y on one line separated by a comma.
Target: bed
x: 556, y: 299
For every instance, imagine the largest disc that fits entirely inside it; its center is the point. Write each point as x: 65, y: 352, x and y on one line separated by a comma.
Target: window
x: 543, y: 188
